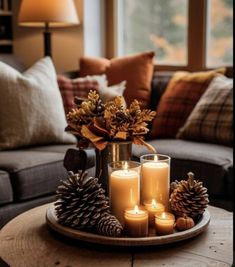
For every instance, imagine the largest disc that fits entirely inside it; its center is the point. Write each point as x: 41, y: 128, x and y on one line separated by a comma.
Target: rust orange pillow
x: 136, y: 69
x: 181, y: 95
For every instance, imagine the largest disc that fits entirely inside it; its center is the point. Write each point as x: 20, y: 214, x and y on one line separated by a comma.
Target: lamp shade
x: 54, y: 13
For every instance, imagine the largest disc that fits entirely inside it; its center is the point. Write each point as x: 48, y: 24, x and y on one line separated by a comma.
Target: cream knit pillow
x: 31, y: 108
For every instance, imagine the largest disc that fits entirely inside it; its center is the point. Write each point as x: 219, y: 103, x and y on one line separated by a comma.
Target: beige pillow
x: 110, y: 92
x: 106, y: 92
x: 100, y: 79
x: 31, y: 108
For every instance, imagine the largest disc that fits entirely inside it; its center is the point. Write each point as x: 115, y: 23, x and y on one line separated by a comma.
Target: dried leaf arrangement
x: 188, y: 198
x: 95, y: 122
x: 81, y: 204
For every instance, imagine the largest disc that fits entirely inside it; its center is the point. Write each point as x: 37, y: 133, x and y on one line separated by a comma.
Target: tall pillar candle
x: 155, y: 180
x: 124, y: 187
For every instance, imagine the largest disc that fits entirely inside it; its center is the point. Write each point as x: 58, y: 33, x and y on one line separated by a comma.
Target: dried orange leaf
x: 139, y: 141
x: 90, y: 135
x: 100, y: 145
x: 121, y: 135
x: 98, y: 127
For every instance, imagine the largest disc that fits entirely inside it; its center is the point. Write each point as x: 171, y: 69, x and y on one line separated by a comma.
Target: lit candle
x: 164, y: 223
x: 155, y: 183
x: 153, y: 208
x: 124, y: 191
x: 136, y: 222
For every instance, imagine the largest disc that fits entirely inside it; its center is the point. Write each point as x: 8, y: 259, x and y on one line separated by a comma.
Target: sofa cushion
x: 210, y: 163
x: 33, y: 173
x: 69, y: 88
x: 9, y: 211
x: 136, y: 70
x: 180, y: 97
x: 158, y: 86
x: 13, y: 61
x: 6, y: 193
x: 80, y: 87
x: 31, y: 107
x: 52, y: 148
x: 212, y: 118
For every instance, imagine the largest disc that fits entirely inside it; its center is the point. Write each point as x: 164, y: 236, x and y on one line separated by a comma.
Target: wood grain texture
x: 213, y: 248
x: 152, y: 239
x: 26, y: 241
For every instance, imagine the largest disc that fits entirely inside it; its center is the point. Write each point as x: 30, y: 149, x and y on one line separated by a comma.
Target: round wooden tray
x: 126, y: 241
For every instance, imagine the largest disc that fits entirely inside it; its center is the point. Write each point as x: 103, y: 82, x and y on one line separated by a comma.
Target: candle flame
x: 155, y: 158
x: 136, y: 209
x: 154, y: 203
x: 164, y: 215
x: 125, y: 166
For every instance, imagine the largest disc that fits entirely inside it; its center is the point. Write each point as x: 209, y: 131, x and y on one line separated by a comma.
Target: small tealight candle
x: 153, y: 208
x: 164, y: 223
x: 136, y: 222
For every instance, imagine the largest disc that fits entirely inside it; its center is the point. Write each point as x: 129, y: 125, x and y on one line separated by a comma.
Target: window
x: 185, y: 34
x: 160, y: 26
x: 220, y: 33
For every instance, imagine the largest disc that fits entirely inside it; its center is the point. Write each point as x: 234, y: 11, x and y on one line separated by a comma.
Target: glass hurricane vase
x: 114, y: 151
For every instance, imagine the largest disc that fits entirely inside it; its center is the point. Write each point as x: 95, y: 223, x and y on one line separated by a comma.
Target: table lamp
x: 47, y: 14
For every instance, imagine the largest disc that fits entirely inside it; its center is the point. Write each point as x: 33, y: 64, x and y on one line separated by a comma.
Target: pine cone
x: 173, y: 186
x: 81, y: 204
x: 189, y: 197
x: 109, y: 225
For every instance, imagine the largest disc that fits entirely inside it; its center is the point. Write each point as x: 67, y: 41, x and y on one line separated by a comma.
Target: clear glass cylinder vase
x: 114, y: 151
x: 155, y: 178
x: 124, y: 187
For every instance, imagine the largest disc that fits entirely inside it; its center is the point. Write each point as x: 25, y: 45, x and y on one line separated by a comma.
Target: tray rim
x: 200, y: 227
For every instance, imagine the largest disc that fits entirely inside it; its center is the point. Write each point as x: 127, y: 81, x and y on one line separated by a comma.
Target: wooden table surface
x: 27, y: 241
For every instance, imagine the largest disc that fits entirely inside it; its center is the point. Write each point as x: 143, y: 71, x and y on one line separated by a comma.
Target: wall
x: 94, y: 22
x: 67, y: 43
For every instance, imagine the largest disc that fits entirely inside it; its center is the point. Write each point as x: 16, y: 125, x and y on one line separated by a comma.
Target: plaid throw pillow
x: 212, y: 118
x: 70, y: 88
x: 181, y: 95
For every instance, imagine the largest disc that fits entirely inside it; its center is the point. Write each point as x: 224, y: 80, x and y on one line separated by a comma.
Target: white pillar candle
x: 155, y: 181
x: 124, y: 191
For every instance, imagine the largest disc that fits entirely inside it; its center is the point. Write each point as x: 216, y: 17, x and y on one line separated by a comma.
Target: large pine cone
x: 82, y: 204
x: 188, y: 197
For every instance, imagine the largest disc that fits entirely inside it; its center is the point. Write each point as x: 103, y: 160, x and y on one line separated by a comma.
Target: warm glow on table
x: 153, y: 208
x: 164, y: 223
x: 124, y: 191
x: 155, y: 183
x: 136, y: 222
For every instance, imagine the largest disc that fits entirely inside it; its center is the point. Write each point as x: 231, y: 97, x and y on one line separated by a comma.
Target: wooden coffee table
x: 27, y: 241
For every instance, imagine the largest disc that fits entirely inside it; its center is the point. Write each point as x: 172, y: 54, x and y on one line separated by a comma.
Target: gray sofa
x: 30, y: 176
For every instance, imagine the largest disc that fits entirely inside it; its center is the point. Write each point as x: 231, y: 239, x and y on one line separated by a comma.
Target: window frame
x: 197, y: 22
